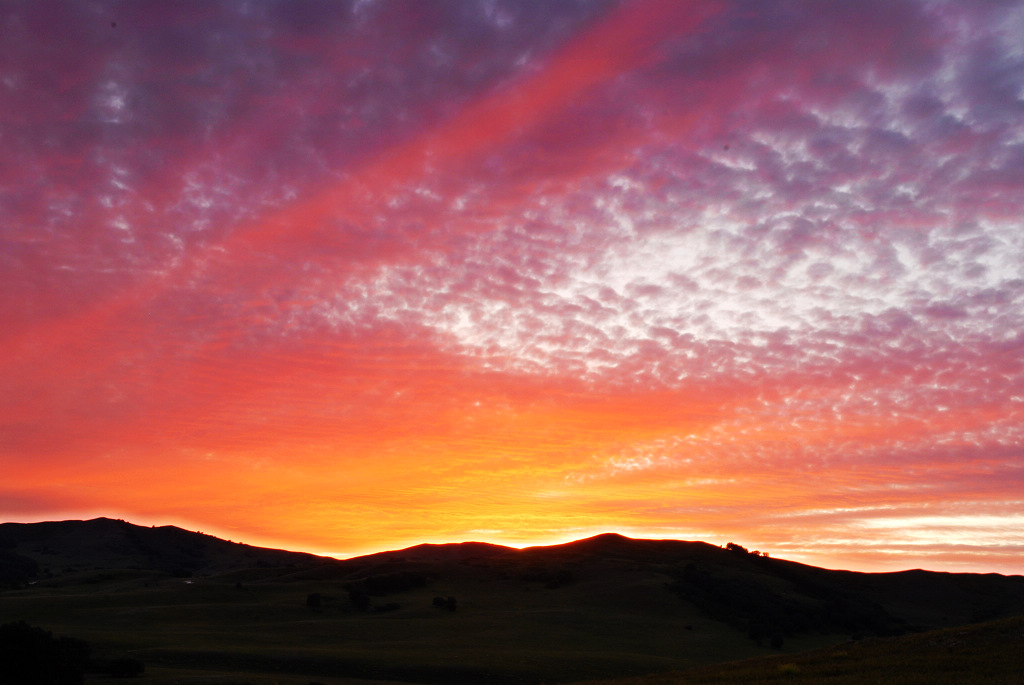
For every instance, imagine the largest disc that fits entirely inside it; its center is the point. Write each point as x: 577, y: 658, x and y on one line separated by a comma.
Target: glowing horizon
x: 348, y: 277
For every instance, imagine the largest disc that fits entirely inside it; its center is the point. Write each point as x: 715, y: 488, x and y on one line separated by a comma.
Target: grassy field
x: 210, y: 630
x: 989, y: 653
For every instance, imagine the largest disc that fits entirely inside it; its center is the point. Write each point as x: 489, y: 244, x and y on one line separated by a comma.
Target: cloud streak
x: 355, y: 276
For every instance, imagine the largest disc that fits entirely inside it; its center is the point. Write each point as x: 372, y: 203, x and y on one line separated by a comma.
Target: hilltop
x: 52, y: 549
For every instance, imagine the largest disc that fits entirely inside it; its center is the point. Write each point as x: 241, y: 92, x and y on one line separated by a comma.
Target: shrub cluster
x: 360, y: 592
x: 448, y: 603
x: 33, y: 656
x: 120, y: 667
x: 552, y: 577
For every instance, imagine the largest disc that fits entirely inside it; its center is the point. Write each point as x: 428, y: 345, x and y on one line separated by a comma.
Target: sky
x: 344, y: 277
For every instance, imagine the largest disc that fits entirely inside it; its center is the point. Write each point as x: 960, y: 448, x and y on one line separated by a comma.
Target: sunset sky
x: 346, y: 277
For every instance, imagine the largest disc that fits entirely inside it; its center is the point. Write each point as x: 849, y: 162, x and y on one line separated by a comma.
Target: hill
x: 35, y: 551
x: 607, y: 606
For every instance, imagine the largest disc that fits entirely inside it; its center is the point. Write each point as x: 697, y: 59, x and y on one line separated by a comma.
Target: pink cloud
x: 769, y: 257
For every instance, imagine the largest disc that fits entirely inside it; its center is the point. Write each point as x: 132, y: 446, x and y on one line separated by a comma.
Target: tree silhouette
x: 33, y: 656
x: 359, y: 598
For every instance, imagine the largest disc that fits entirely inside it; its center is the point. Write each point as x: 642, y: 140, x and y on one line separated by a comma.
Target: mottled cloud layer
x: 350, y: 276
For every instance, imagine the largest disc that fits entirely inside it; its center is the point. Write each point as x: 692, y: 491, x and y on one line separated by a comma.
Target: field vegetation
x: 990, y: 653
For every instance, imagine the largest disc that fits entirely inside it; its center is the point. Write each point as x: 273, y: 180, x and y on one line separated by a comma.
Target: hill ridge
x: 604, y: 594
x: 51, y: 548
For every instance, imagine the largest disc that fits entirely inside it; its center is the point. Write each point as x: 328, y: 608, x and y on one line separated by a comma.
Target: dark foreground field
x: 194, y: 609
x: 503, y: 630
x: 990, y: 653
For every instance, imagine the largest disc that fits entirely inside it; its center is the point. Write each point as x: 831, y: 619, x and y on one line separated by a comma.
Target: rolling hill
x: 52, y: 549
x: 604, y: 607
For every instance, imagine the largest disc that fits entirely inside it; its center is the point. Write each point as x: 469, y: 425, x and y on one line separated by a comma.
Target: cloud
x: 631, y: 257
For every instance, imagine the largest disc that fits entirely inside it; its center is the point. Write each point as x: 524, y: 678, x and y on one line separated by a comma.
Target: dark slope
x: 764, y: 597
x: 768, y: 599
x: 32, y: 551
x: 943, y: 599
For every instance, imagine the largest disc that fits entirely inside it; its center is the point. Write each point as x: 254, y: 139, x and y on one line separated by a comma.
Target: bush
x: 359, y: 598
x: 121, y: 667
x: 33, y: 656
x: 553, y: 578
x: 448, y: 603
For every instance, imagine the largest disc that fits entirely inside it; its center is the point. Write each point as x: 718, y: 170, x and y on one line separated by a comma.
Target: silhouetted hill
x: 458, y: 552
x: 765, y: 598
x: 470, y: 612
x: 768, y: 599
x: 59, y: 548
x: 615, y: 546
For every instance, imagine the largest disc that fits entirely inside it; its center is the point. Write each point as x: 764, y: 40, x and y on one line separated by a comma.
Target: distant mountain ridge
x: 756, y: 594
